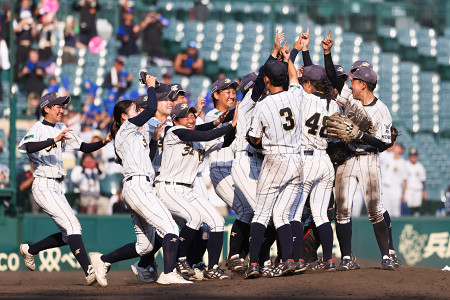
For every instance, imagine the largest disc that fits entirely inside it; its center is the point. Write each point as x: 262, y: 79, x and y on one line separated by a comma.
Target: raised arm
x: 327, y: 44
x: 152, y: 104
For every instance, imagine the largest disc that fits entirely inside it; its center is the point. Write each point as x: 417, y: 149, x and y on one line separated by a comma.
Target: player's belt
x: 131, y: 177
x: 177, y: 183
x: 59, y: 179
x: 257, y: 154
x: 308, y: 152
x: 366, y: 151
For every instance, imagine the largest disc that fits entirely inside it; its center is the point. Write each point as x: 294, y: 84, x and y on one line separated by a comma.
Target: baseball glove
x: 338, y: 152
x: 394, y: 133
x: 310, y: 246
x: 340, y: 127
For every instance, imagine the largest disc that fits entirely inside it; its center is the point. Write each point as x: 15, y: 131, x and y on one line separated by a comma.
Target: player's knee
x: 195, y: 220
x: 246, y: 216
x: 280, y: 218
x: 143, y: 247
x: 72, y: 227
x: 375, y: 216
x: 65, y: 237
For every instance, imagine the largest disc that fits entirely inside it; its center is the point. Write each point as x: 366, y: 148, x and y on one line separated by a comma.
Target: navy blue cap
x: 413, y: 151
x: 339, y: 70
x: 361, y: 63
x: 53, y: 99
x: 314, y: 72
x: 277, y: 71
x: 223, y: 83
x: 364, y: 73
x: 247, y: 82
x: 175, y: 89
x: 141, y: 101
x: 182, y: 110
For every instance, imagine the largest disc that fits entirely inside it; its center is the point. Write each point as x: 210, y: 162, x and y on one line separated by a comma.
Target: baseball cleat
x: 252, y: 271
x: 100, y: 267
x: 321, y: 265
x: 387, y: 264
x: 27, y: 257
x: 284, y: 268
x: 300, y: 266
x: 183, y: 267
x: 143, y: 275
x: 395, y: 260
x: 235, y: 264
x: 348, y: 263
x: 198, y: 269
x: 267, y: 271
x: 91, y: 278
x: 216, y: 273
x: 172, y: 278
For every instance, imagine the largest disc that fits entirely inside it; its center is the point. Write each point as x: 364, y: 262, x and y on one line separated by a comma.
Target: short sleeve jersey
x: 132, y: 147
x: 180, y: 160
x: 278, y: 121
x: 48, y: 162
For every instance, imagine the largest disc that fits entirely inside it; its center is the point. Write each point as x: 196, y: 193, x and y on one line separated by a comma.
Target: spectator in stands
x: 118, y: 80
x: 25, y: 32
x: 5, y: 22
x: 4, y: 177
x: 2, y: 145
x: 415, y: 186
x: 151, y: 28
x: 33, y: 105
x: 86, y: 178
x: 88, y: 11
x: 4, y: 61
x: 25, y: 182
x: 127, y: 33
x: 117, y: 204
x: 188, y: 62
x: 71, y: 42
x: 98, y: 155
x: 201, y: 10
x: 46, y: 38
x: 167, y: 78
x: 33, y: 73
x: 53, y: 86
x: 447, y: 201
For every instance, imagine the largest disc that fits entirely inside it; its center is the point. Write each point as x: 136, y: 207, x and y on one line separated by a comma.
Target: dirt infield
x: 367, y: 283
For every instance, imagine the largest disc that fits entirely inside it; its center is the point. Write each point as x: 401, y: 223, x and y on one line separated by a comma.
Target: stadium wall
x: 419, y: 241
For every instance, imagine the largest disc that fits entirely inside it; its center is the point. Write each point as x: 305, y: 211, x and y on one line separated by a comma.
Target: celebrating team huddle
x: 274, y: 158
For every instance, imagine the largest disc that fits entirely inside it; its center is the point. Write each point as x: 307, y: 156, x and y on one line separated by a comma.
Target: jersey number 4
x: 289, y: 122
x: 313, y: 124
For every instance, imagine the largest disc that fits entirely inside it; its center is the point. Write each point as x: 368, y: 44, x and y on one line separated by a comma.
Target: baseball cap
x: 360, y: 63
x: 182, y: 110
x: 314, y: 72
x: 413, y: 151
x: 167, y: 75
x: 247, y: 82
x: 141, y: 101
x: 175, y: 89
x: 53, y: 99
x: 339, y: 70
x: 365, y: 74
x: 277, y: 70
x: 120, y: 60
x: 192, y: 44
x: 223, y: 83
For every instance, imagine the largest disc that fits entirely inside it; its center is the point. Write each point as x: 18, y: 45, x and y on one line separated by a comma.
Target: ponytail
x: 324, y: 87
x: 120, y: 108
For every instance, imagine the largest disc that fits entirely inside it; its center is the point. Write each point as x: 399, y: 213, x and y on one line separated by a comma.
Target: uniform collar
x: 48, y: 123
x: 375, y: 99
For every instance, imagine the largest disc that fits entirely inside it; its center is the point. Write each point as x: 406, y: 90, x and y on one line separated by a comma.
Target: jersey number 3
x: 289, y: 123
x: 313, y: 124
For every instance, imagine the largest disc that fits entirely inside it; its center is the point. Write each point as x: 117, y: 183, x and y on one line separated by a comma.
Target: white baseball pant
x: 392, y: 200
x: 245, y: 172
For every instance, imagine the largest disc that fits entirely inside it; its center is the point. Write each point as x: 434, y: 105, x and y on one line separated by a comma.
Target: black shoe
x: 348, y: 264
x: 284, y: 268
x: 387, y: 264
x: 321, y: 265
x: 183, y: 267
x: 395, y: 260
x: 252, y: 271
x: 235, y: 263
x: 300, y: 266
x: 267, y: 271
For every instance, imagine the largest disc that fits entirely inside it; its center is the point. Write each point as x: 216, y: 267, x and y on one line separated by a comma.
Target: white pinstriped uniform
x: 247, y: 160
x: 221, y: 161
x: 393, y: 174
x: 318, y: 171
x: 47, y: 167
x: 179, y: 168
x: 278, y: 121
x: 147, y: 211
x: 363, y: 169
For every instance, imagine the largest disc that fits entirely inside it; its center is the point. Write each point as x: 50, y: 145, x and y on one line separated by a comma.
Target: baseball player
x: 45, y: 143
x: 415, y: 186
x: 362, y: 165
x: 151, y: 218
x: 223, y: 93
x: 181, y: 158
x: 318, y: 171
x: 393, y: 180
x: 276, y: 125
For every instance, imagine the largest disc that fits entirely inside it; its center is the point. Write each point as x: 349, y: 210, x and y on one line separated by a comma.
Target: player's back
x: 281, y: 118
x: 315, y: 114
